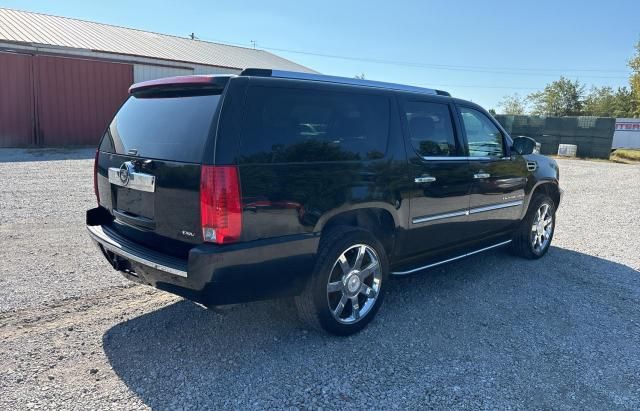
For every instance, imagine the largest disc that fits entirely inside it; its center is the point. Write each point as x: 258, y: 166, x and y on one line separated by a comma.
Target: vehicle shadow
x: 489, y: 331
x: 23, y: 155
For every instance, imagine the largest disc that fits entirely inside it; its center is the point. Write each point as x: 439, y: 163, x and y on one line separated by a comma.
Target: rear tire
x: 345, y: 290
x: 533, y: 238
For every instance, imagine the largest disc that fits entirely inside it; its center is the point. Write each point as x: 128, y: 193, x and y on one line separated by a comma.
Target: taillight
x: 220, y: 207
x: 95, y: 176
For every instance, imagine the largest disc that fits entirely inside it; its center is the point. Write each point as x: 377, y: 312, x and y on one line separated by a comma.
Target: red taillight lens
x: 95, y: 176
x: 220, y: 205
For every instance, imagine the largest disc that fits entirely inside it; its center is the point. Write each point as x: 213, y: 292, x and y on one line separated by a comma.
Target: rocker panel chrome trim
x: 448, y: 260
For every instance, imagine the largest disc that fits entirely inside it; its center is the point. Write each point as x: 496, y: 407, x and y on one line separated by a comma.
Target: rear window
x: 296, y: 125
x: 167, y: 128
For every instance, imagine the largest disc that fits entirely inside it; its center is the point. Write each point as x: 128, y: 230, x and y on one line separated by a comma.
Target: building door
x: 76, y: 98
x: 17, y: 116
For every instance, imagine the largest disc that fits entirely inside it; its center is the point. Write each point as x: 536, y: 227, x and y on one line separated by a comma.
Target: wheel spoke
x: 338, y: 310
x: 334, y: 287
x: 368, y: 271
x: 355, y: 307
x: 547, y: 221
x: 534, y: 227
x: 361, y: 250
x: 545, y: 209
x: 367, y: 291
x: 344, y: 264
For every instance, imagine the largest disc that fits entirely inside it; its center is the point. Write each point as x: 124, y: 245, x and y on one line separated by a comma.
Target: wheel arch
x: 550, y: 188
x: 377, y: 219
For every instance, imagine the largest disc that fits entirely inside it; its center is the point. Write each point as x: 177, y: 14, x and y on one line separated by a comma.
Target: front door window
x: 484, y: 139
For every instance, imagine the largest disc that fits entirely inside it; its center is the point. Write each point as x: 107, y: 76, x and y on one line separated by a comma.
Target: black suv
x: 226, y: 189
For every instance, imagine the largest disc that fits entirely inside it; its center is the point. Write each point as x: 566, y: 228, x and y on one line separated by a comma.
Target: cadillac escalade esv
x: 269, y: 184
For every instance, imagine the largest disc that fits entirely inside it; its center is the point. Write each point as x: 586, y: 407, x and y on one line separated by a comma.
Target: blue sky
x: 478, y: 50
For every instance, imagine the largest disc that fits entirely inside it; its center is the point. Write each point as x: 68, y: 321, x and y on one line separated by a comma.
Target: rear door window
x: 169, y: 128
x: 430, y: 128
x: 300, y: 125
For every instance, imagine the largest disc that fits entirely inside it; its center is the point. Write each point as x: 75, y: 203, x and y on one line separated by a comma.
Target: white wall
x: 200, y: 69
x: 143, y: 72
x: 627, y: 133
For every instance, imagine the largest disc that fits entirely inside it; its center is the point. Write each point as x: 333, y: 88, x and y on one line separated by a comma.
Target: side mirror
x: 524, y: 145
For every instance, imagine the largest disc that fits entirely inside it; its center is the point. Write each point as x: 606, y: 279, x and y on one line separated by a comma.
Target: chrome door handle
x: 425, y: 179
x: 481, y: 175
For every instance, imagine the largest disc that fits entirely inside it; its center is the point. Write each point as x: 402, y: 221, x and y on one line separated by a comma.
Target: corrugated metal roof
x: 43, y: 29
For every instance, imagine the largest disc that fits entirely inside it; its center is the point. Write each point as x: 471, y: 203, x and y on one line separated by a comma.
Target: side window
x: 430, y: 128
x: 296, y: 125
x: 483, y: 137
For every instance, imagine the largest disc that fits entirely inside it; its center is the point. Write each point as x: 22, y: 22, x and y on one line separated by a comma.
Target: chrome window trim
x: 98, y: 236
x: 424, y: 219
x: 448, y: 260
x: 495, y: 207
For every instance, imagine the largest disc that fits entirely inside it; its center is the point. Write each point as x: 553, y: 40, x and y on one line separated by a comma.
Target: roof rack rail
x: 339, y: 80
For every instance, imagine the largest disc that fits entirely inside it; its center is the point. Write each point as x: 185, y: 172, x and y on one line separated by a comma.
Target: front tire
x: 533, y: 238
x: 345, y: 290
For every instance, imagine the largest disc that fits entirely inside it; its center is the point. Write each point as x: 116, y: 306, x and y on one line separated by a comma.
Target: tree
x: 560, y: 98
x: 493, y: 112
x: 513, y: 104
x: 605, y: 102
x: 360, y: 76
x: 634, y: 81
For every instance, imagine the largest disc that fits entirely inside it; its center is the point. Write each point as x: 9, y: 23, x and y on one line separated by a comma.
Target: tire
x: 335, y: 285
x: 531, y: 244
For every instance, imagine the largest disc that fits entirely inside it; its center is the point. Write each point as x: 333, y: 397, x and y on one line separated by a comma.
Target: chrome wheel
x: 542, y: 228
x: 354, y: 284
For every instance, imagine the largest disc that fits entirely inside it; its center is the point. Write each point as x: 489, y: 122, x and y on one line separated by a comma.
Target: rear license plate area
x: 134, y: 202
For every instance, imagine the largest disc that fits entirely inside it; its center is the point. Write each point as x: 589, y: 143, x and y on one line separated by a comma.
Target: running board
x: 448, y: 260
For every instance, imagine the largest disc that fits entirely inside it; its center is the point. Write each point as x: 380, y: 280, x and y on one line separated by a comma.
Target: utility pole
x: 253, y: 43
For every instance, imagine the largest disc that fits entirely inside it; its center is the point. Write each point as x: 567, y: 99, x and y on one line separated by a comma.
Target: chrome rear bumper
x: 111, y: 241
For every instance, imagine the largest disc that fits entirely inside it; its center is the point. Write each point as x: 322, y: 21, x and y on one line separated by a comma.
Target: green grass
x: 626, y: 154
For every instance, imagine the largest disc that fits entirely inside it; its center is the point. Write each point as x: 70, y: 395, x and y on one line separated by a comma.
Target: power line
x: 518, y: 71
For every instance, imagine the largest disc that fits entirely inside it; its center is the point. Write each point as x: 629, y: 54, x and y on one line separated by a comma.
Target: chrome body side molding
x: 448, y: 260
x: 454, y: 158
x: 495, y: 207
x: 424, y: 219
x: 418, y: 220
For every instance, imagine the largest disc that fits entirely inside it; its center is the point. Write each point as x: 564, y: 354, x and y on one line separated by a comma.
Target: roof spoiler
x: 214, y: 81
x: 257, y: 72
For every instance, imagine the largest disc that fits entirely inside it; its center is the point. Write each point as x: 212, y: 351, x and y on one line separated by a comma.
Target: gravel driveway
x: 491, y: 331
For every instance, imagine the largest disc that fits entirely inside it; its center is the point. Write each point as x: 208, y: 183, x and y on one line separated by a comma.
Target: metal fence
x: 592, y: 135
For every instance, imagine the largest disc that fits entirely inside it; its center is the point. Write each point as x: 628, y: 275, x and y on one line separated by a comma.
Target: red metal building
x: 62, y: 79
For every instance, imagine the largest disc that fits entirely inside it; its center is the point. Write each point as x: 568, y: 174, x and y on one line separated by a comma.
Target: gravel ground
x: 491, y: 331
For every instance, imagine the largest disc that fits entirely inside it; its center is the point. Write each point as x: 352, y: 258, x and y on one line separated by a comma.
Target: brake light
x: 220, y: 205
x: 95, y: 176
